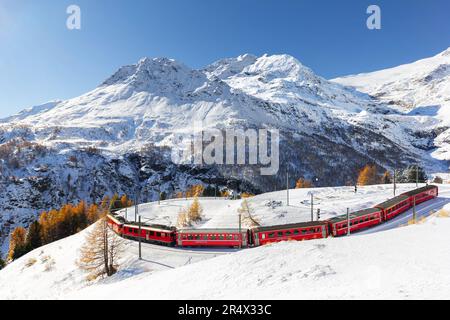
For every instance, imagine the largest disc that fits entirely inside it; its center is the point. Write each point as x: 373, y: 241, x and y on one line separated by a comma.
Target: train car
x: 213, y: 238
x: 359, y: 220
x: 115, y: 223
x: 395, y: 206
x: 297, y: 232
x: 422, y: 194
x: 157, y: 234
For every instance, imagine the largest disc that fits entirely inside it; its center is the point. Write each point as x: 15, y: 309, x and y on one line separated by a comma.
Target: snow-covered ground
x: 407, y: 262
x: 271, y: 208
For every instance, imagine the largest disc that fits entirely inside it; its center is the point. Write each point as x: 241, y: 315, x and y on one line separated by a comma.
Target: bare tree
x: 100, y: 253
x: 247, y: 214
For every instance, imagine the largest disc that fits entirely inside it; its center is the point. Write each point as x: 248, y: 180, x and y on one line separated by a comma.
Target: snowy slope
x: 421, y: 88
x: 404, y: 263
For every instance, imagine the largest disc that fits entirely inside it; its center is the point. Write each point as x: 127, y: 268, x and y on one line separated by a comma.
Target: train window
x: 288, y: 233
x: 272, y: 235
x: 280, y: 233
x: 189, y: 237
x: 158, y: 234
x: 198, y: 237
x: 152, y: 233
x: 163, y: 235
x: 296, y: 232
x: 236, y: 237
x: 205, y: 237
x: 221, y: 237
x: 304, y: 231
x: 263, y: 236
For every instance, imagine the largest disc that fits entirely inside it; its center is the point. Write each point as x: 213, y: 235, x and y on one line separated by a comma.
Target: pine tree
x: 17, y: 246
x: 34, y: 236
x: 195, y: 211
x: 2, y: 262
x: 247, y: 214
x: 101, y: 251
x: 410, y: 175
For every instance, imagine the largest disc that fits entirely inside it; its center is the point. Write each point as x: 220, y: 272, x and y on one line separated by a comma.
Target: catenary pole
x: 348, y: 221
x: 287, y: 186
x: 140, y: 239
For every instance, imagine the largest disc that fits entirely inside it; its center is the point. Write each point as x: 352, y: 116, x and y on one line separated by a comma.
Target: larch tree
x: 247, y: 214
x: 101, y: 251
x: 387, y: 178
x: 303, y: 183
x: 368, y: 176
x: 183, y: 219
x: 17, y: 246
x: 195, y: 211
x: 2, y: 262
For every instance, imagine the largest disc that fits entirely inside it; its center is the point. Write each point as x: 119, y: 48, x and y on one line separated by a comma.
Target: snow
x: 403, y: 263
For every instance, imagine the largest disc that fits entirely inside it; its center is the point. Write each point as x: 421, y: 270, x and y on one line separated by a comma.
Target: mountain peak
x: 148, y: 69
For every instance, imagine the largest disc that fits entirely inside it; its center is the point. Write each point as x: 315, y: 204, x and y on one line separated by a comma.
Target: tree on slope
x: 303, y: 183
x: 195, y: 211
x: 247, y: 212
x: 101, y: 251
x: 34, y: 236
x: 387, y: 178
x: 368, y: 176
x: 17, y: 246
x: 2, y: 262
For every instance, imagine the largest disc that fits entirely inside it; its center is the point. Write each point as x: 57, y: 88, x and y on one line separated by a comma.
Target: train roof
x: 291, y: 226
x: 219, y: 230
x: 353, y: 215
x: 392, y: 202
x: 419, y: 190
x: 150, y: 226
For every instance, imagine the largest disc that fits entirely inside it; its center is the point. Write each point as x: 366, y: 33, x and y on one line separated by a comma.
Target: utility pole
x: 414, y: 210
x: 318, y: 214
x: 395, y: 181
x: 240, y: 231
x: 312, y: 206
x: 287, y: 186
x: 417, y: 176
x: 136, y: 207
x: 348, y: 221
x: 140, y: 239
x: 159, y: 194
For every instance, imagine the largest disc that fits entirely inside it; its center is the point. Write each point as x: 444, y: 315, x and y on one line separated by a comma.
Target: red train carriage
x: 395, y: 206
x: 212, y: 238
x: 150, y: 233
x: 297, y: 232
x: 422, y: 194
x: 359, y: 220
x: 115, y: 223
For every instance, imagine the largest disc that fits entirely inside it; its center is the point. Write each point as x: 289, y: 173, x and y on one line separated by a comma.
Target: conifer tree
x: 387, y: 178
x: 368, y: 176
x: 101, y: 251
x: 34, y: 236
x: 195, y: 211
x: 17, y: 247
x: 303, y: 183
x: 247, y: 212
x: 2, y: 262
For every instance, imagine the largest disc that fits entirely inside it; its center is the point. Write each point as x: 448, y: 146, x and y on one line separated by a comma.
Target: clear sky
x: 41, y: 60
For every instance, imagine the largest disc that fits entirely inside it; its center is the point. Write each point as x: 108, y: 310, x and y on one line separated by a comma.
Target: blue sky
x: 41, y: 60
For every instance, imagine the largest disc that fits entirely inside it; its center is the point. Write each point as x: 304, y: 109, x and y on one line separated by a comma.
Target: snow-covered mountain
x: 117, y: 137
x: 421, y: 88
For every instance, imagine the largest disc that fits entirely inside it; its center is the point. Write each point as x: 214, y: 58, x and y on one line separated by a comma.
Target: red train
x: 259, y: 236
